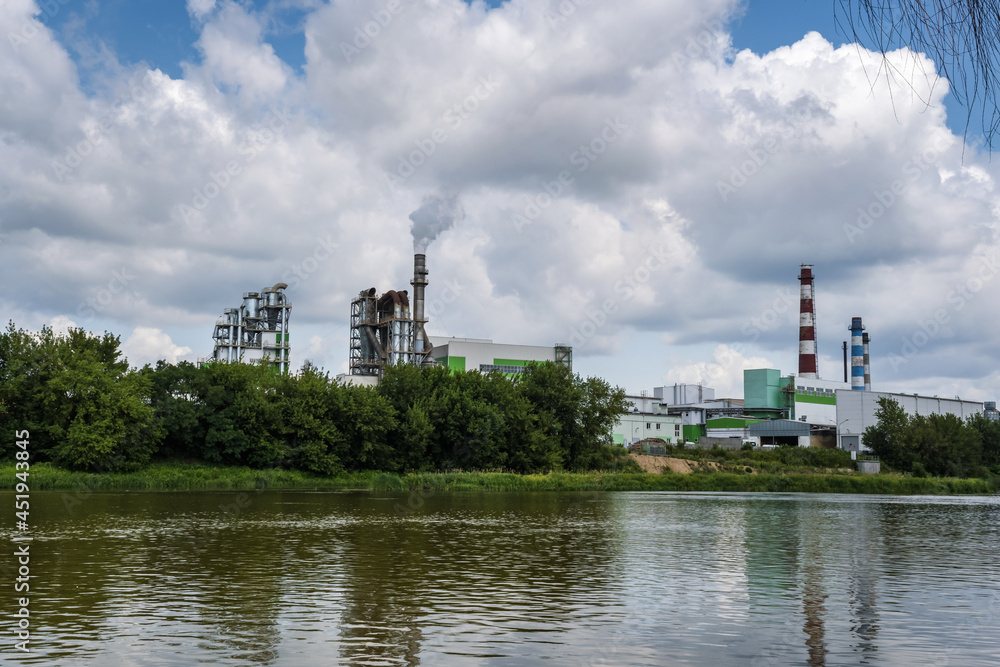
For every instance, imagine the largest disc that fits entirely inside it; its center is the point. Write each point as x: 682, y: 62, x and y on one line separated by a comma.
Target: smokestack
x: 868, y: 373
x: 807, y: 325
x: 421, y: 343
x: 845, y: 361
x: 857, y: 355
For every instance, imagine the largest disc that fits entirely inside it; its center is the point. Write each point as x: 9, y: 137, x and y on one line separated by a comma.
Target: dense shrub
x: 86, y: 410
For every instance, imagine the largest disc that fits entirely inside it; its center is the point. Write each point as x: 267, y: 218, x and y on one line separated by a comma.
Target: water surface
x: 322, y: 578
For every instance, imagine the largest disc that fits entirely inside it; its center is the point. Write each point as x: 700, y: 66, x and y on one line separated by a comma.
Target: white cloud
x: 60, y: 324
x: 200, y: 8
x: 724, y: 373
x: 147, y: 345
x: 230, y: 178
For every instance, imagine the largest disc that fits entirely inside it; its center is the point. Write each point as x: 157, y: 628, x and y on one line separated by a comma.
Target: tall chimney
x: 857, y: 355
x: 807, y: 325
x: 845, y: 361
x: 421, y: 343
x: 868, y: 373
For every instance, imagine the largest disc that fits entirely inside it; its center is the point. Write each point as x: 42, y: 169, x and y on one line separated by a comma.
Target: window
x: 677, y: 430
x: 486, y: 368
x: 657, y: 427
x: 647, y: 425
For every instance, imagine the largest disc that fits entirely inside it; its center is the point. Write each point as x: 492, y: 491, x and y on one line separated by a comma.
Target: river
x: 353, y: 578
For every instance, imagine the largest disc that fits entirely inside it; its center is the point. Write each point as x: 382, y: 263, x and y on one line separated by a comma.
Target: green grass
x: 196, y: 477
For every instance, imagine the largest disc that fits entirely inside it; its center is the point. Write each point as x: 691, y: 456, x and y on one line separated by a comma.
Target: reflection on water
x: 305, y: 578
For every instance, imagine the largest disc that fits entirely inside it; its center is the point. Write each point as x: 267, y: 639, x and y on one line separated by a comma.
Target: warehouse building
x: 856, y: 412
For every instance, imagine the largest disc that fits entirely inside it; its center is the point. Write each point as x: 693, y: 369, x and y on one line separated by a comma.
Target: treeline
x: 940, y: 445
x: 87, y: 410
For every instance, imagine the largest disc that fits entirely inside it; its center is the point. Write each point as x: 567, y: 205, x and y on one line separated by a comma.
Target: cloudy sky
x: 640, y: 179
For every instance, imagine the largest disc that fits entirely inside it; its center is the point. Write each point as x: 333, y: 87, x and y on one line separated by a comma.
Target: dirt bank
x: 656, y: 464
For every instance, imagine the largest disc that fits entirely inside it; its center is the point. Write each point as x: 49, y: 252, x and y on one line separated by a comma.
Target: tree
x: 309, y: 408
x: 885, y: 438
x: 959, y: 35
x: 943, y: 445
x: 77, y: 397
x: 989, y: 434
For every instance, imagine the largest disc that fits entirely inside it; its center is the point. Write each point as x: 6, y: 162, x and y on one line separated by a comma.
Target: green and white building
x: 483, y: 355
x: 766, y: 394
x: 647, y: 418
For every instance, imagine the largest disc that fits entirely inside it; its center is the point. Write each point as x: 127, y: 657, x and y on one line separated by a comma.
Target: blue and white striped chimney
x: 857, y: 355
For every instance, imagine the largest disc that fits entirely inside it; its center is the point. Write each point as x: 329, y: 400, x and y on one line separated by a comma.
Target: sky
x: 640, y: 180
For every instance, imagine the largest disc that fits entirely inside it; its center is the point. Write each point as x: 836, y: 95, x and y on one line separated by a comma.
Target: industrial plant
x: 257, y: 331
x: 385, y: 331
x: 803, y: 409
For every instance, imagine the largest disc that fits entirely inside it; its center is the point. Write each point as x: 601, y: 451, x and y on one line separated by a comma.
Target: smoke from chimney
x: 438, y: 213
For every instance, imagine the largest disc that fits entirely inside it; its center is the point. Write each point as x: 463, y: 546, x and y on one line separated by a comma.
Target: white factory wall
x: 480, y: 352
x: 683, y: 394
x: 645, y: 405
x: 856, y: 412
x: 817, y: 413
x: 633, y: 427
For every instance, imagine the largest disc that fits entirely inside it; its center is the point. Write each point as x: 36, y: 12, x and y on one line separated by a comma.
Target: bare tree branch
x: 961, y: 36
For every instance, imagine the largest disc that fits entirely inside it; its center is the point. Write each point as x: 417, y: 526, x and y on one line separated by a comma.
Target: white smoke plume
x: 438, y: 213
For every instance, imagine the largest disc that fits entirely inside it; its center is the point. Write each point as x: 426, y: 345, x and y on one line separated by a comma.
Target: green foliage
x: 886, y: 437
x: 77, y: 397
x: 989, y: 434
x: 185, y: 477
x: 86, y: 410
x: 939, y: 445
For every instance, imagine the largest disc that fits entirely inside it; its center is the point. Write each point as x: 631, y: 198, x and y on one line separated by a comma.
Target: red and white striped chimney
x: 807, y: 325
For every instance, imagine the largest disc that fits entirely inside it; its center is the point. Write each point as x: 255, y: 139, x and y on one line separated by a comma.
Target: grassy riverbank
x: 189, y: 477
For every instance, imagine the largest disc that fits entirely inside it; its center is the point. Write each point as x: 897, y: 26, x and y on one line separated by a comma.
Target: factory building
x: 856, y: 412
x: 257, y: 331
x: 646, y: 418
x: 384, y: 331
x: 699, y: 410
x: 483, y: 355
x: 768, y: 395
x: 682, y: 413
